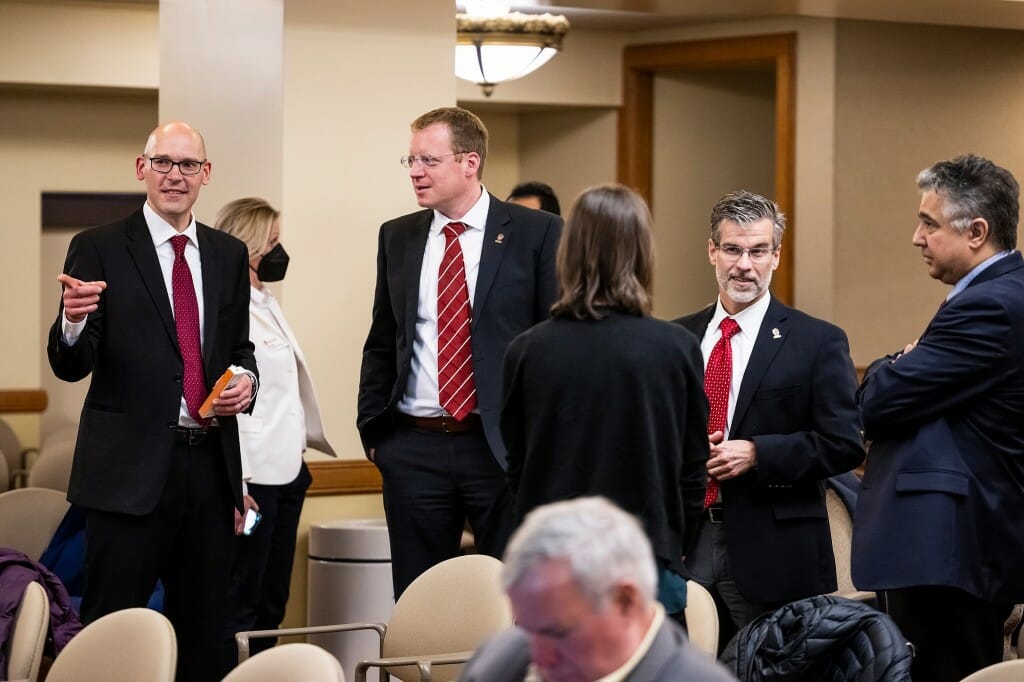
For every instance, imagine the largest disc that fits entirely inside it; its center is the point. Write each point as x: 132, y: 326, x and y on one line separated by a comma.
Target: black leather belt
x: 715, y: 513
x: 196, y: 436
x: 445, y: 424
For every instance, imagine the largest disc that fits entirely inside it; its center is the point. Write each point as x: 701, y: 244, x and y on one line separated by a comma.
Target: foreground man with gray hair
x: 581, y: 577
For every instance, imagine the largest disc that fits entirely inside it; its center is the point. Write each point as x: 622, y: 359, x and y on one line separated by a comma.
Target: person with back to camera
x: 272, y: 438
x: 603, y: 399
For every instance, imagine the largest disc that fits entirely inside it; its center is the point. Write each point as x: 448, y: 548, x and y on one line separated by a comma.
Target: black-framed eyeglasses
x: 426, y: 159
x: 757, y: 254
x: 162, y: 164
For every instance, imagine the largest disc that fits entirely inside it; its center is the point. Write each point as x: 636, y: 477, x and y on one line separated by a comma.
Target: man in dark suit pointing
x: 155, y: 307
x: 455, y: 283
x: 938, y: 521
x: 781, y: 386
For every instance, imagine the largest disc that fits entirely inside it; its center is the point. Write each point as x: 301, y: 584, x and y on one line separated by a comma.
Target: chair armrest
x: 423, y: 662
x: 242, y: 638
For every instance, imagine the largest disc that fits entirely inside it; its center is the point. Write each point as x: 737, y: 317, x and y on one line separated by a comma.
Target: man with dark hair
x: 456, y: 283
x: 537, y: 195
x: 782, y: 419
x: 938, y: 521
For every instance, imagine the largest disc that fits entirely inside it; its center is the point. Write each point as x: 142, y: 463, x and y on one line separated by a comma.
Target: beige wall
x: 907, y: 96
x: 714, y: 132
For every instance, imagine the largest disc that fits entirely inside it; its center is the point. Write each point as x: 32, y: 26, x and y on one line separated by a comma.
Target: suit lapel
x: 499, y: 224
x: 143, y: 255
x: 412, y: 265
x: 698, y: 322
x: 210, y: 260
x: 774, y: 332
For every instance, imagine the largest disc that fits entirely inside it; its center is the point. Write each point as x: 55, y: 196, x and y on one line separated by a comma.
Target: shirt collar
x: 749, y: 319
x: 260, y: 297
x: 975, y: 271
x: 475, y: 218
x: 161, y: 230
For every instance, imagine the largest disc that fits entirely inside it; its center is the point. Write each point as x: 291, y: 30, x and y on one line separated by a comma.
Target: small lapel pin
x: 776, y: 334
x: 500, y: 239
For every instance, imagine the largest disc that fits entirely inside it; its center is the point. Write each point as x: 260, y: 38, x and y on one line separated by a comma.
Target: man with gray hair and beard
x: 783, y: 418
x: 581, y: 577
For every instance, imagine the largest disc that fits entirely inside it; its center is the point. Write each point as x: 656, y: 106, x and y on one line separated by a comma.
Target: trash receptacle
x: 349, y: 582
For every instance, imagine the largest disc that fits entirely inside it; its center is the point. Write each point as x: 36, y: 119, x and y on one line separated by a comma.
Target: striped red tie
x: 717, y: 380
x: 456, y: 387
x: 186, y: 320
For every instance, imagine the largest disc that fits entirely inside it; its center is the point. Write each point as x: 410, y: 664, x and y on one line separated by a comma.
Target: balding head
x: 173, y: 165
x: 174, y: 127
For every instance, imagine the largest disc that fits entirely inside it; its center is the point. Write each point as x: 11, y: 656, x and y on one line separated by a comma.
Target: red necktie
x: 186, y: 319
x: 717, y: 380
x: 456, y: 387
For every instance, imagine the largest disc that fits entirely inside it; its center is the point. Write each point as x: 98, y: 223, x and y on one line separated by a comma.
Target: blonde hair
x: 250, y: 220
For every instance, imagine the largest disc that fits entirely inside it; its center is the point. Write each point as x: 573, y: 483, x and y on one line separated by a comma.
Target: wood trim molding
x: 23, y: 400
x: 343, y: 477
x: 641, y: 63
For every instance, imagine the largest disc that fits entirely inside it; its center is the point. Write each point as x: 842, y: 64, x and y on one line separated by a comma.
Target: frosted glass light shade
x: 495, y: 49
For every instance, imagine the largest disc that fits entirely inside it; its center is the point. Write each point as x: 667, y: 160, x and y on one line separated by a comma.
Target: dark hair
x: 974, y: 187
x: 465, y: 129
x: 745, y: 208
x: 543, y: 192
x: 605, y: 259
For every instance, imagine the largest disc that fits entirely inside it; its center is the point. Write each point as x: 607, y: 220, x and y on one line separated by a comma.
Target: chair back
x: 453, y: 606
x: 29, y: 517
x: 123, y: 646
x: 1007, y: 671
x: 701, y: 618
x: 24, y: 646
x: 840, y: 524
x: 289, y: 662
x: 52, y: 469
x: 10, y: 446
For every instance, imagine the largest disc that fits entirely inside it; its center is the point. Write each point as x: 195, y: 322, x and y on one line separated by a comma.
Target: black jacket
x: 820, y: 638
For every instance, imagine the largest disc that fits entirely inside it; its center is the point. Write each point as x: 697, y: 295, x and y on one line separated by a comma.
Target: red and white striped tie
x: 456, y: 387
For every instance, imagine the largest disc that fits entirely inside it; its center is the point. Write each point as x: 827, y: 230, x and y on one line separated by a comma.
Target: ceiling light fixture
x: 494, y: 45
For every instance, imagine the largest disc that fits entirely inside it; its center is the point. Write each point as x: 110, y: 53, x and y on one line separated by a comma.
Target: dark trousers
x: 262, y: 572
x: 708, y: 564
x: 186, y: 541
x: 433, y: 483
x: 954, y: 633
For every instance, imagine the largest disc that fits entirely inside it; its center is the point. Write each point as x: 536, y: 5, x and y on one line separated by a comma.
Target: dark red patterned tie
x: 456, y: 387
x: 717, y: 380
x: 186, y: 319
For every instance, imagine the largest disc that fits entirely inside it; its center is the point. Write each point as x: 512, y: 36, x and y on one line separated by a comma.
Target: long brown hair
x: 605, y: 260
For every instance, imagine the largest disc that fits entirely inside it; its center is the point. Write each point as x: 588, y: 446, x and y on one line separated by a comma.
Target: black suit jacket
x: 515, y: 289
x: 942, y: 500
x: 130, y: 346
x: 796, y: 403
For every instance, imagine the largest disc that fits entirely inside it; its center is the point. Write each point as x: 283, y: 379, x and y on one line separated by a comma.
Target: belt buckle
x: 447, y: 419
x: 715, y: 514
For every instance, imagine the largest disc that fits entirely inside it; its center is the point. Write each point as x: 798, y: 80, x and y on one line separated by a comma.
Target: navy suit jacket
x: 942, y: 501
x: 130, y: 346
x: 796, y: 403
x: 515, y: 289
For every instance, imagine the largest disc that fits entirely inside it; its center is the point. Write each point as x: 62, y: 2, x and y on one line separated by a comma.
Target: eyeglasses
x: 426, y: 159
x: 164, y: 165
x: 757, y: 254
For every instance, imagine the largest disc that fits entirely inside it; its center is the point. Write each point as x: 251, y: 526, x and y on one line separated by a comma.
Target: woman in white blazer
x: 284, y: 421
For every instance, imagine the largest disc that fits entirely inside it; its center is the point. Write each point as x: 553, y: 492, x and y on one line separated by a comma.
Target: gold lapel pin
x: 776, y: 334
x: 500, y: 239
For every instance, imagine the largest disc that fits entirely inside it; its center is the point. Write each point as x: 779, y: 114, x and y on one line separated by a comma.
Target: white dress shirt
x: 749, y: 319
x: 421, y: 393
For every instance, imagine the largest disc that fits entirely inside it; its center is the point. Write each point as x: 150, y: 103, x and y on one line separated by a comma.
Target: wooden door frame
x: 641, y: 63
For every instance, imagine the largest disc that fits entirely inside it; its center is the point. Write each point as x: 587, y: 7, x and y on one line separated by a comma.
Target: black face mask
x: 273, y: 265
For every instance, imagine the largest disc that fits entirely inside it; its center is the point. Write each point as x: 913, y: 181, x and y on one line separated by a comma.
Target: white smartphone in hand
x: 252, y: 519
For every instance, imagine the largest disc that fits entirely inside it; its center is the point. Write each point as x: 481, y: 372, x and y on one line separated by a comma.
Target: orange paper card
x: 206, y: 409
